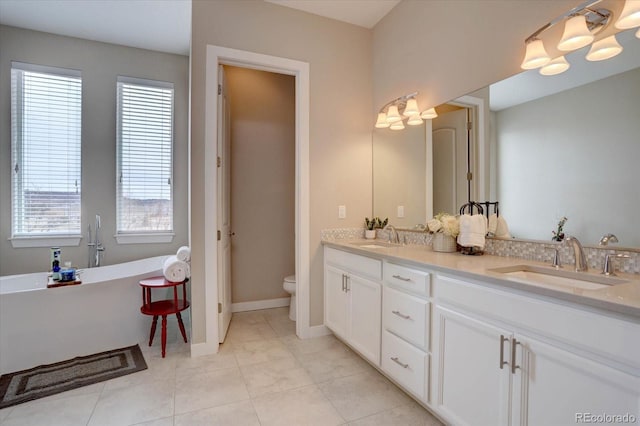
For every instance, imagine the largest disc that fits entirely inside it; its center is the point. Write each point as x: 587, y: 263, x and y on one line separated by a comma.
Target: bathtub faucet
x: 95, y: 246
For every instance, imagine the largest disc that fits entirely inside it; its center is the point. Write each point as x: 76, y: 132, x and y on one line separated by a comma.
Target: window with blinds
x: 145, y: 151
x: 46, y: 140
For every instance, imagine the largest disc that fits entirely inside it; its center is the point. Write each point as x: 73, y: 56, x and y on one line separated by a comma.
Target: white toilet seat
x: 289, y: 285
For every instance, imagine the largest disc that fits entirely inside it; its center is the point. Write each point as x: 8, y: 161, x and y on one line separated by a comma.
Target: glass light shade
x: 604, y: 49
x: 414, y: 120
x: 393, y: 115
x: 398, y: 125
x: 576, y: 34
x: 429, y: 114
x: 630, y: 15
x: 556, y: 66
x: 382, y: 121
x: 638, y: 33
x: 412, y: 108
x: 535, y: 56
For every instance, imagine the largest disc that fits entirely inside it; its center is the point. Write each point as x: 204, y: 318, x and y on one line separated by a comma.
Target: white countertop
x: 621, y: 298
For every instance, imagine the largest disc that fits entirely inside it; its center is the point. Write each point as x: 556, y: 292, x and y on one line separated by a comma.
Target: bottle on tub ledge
x: 56, y: 258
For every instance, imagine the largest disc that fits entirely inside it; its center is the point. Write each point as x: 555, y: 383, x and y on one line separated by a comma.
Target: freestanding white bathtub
x: 40, y: 325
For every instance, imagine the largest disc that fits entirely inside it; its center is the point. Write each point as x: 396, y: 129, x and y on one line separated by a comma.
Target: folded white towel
x: 502, y: 229
x: 493, y: 225
x: 184, y: 254
x: 472, y: 230
x: 175, y: 270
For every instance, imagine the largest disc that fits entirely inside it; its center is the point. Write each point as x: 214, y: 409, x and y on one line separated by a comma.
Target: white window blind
x: 145, y: 151
x: 46, y: 142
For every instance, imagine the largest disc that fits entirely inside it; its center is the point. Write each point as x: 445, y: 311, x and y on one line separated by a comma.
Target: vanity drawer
x: 355, y: 263
x: 405, y: 364
x: 413, y: 280
x: 406, y: 316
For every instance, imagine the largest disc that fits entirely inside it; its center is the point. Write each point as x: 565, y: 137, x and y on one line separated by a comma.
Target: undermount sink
x: 374, y: 244
x: 557, y: 277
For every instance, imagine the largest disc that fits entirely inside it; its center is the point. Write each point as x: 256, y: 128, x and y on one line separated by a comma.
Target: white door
x: 555, y: 387
x: 224, y: 210
x: 444, y: 171
x: 365, y: 299
x: 457, y: 119
x: 471, y: 388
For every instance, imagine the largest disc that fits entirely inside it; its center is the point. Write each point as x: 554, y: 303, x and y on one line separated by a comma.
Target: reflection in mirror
x: 572, y: 153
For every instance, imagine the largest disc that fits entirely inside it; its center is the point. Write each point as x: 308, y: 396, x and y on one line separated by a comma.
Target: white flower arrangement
x: 444, y: 223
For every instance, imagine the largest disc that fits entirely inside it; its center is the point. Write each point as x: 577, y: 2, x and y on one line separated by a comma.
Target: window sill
x: 46, y: 241
x: 144, y: 238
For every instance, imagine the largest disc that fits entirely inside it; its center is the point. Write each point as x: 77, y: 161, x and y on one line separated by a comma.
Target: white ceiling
x: 162, y: 25
x: 364, y: 13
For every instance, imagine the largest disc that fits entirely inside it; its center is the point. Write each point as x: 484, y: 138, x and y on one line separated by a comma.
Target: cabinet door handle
x: 401, y: 315
x: 513, y: 356
x: 395, y: 359
x: 343, y: 282
x: 502, y: 361
x: 401, y: 278
x: 347, y: 280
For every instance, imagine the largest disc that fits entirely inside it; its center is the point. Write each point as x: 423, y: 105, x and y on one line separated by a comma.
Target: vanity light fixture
x: 429, y: 114
x: 581, y: 25
x: 405, y: 108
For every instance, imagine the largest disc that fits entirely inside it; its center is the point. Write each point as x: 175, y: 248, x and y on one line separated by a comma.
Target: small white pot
x: 370, y: 234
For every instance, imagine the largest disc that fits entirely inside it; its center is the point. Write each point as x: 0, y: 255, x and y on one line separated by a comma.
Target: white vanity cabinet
x: 406, y: 327
x: 502, y: 358
x: 352, y: 300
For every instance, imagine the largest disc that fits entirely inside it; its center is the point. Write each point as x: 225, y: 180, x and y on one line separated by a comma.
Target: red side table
x: 164, y: 307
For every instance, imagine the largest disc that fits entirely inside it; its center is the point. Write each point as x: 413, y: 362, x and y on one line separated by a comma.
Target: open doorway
x: 262, y: 186
x: 217, y: 56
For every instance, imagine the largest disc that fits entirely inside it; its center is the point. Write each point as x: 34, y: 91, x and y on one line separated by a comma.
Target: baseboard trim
x: 260, y: 304
x: 201, y: 349
x: 315, y: 331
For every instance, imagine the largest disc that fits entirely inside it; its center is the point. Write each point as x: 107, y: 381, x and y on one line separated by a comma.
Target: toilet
x: 289, y: 285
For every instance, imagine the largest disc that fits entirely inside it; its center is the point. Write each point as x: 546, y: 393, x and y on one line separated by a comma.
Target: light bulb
x: 411, y: 108
x: 382, y: 121
x: 630, y: 15
x: 576, y: 34
x: 556, y: 66
x: 392, y: 114
x: 535, y: 55
x: 604, y: 49
x: 429, y: 114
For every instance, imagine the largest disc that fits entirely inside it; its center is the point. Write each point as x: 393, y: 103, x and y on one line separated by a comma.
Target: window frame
x: 142, y: 236
x: 41, y: 239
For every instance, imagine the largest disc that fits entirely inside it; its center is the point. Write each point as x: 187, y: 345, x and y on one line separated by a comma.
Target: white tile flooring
x: 263, y: 375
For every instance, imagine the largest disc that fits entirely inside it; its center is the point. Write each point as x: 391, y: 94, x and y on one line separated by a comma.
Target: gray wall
x: 573, y: 154
x: 100, y: 64
x: 262, y: 182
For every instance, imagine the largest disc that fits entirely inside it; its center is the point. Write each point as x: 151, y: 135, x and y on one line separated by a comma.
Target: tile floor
x: 263, y: 375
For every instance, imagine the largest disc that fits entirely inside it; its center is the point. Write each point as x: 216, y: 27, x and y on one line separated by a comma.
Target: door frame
x: 217, y: 55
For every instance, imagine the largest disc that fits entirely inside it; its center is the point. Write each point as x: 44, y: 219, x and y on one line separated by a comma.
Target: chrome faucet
x: 578, y: 251
x: 95, y: 246
x: 393, y: 234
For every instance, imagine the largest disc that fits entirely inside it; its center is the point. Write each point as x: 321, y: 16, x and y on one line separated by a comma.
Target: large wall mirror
x: 565, y: 145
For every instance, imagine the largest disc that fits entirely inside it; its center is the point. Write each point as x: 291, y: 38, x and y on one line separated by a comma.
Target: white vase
x: 370, y: 234
x: 443, y: 243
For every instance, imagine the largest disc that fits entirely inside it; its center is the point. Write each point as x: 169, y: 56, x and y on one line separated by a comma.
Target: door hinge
x: 219, y: 89
x: 469, y: 125
x: 469, y: 176
x: 219, y: 308
x: 219, y: 235
x: 219, y: 161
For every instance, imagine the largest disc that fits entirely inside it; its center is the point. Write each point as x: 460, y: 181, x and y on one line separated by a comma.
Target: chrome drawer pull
x: 513, y: 356
x: 395, y: 359
x: 401, y: 278
x: 502, y: 361
x: 400, y: 315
